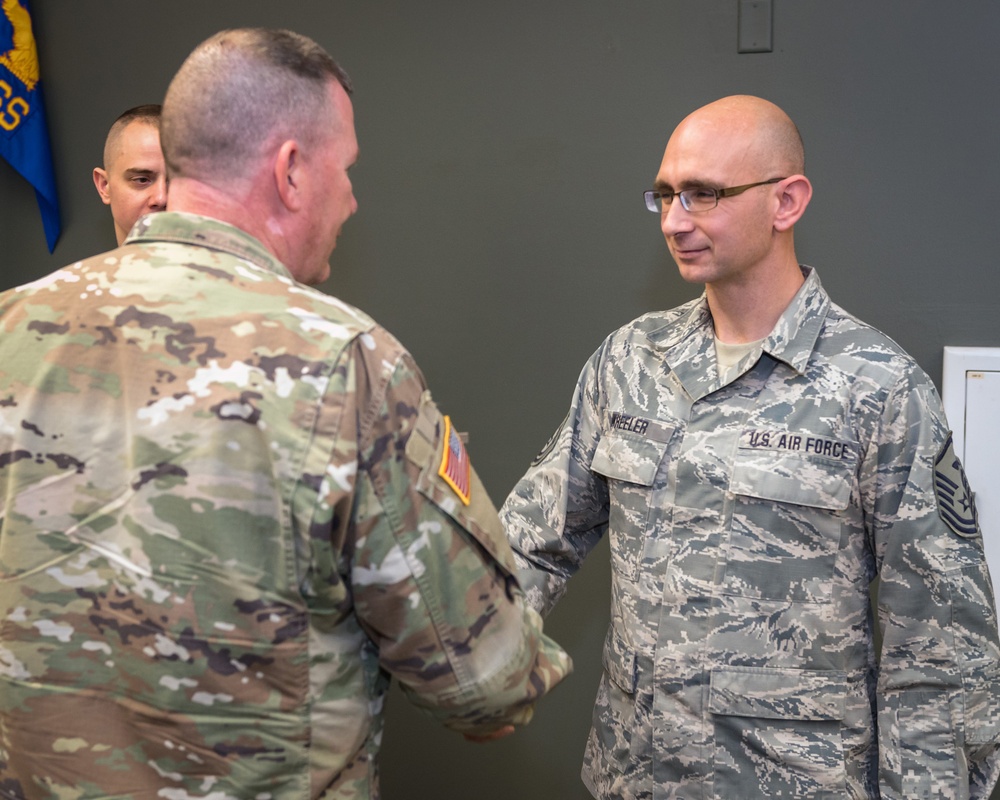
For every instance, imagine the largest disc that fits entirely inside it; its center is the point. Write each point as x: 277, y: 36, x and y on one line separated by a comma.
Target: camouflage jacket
x: 747, y: 522
x: 229, y: 512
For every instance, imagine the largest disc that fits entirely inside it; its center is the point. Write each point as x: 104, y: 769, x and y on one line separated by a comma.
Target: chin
x: 693, y: 274
x: 316, y: 277
x: 321, y: 274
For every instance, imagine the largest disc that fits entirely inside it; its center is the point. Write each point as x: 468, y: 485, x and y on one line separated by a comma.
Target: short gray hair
x: 240, y: 91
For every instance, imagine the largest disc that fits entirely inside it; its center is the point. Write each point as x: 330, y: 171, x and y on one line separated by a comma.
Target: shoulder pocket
x: 426, y: 450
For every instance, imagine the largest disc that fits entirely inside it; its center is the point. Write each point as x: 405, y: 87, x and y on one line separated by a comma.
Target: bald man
x: 133, y: 180
x: 759, y: 456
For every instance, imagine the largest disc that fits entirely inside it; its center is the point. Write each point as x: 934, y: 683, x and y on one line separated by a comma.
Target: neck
x: 241, y: 208
x: 746, y: 311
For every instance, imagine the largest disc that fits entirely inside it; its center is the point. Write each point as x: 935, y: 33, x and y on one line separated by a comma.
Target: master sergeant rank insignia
x: 956, y: 503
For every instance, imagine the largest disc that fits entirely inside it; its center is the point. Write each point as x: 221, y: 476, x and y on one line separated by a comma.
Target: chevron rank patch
x: 956, y: 503
x: 456, y: 469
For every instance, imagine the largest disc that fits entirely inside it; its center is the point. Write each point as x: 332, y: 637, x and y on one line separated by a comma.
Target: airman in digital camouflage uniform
x: 230, y: 508
x: 758, y: 456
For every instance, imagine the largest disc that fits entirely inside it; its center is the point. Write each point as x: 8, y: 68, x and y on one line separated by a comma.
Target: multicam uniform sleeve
x: 432, y: 574
x: 939, y: 674
x: 558, y: 511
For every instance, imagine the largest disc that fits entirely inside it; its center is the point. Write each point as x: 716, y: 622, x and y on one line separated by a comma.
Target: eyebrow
x: 688, y: 184
x: 138, y: 171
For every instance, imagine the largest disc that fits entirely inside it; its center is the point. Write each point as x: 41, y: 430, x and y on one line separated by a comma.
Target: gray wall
x: 501, y: 233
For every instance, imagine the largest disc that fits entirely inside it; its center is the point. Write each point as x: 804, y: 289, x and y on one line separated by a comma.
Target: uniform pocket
x: 615, y: 708
x: 778, y: 733
x: 794, y: 479
x: 426, y: 450
x: 973, y: 624
x: 788, y: 521
x: 630, y: 464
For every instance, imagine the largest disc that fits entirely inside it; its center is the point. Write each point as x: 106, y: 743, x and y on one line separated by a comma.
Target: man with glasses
x: 758, y: 457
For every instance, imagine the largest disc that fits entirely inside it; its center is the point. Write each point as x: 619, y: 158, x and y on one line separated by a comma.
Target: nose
x: 675, y: 220
x: 158, y: 197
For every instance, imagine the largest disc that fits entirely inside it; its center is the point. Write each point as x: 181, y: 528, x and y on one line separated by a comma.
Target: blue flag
x: 24, y: 133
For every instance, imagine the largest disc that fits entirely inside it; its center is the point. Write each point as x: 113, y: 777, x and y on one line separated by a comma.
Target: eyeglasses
x: 700, y: 198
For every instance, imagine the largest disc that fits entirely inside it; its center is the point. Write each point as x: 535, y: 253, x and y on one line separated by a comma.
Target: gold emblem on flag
x: 22, y: 58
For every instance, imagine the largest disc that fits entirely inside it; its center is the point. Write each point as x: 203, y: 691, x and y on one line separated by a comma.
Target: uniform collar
x: 194, y: 229
x: 688, y: 343
x: 793, y: 338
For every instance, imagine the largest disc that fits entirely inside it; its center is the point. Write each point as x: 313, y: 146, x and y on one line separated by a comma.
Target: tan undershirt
x: 729, y: 355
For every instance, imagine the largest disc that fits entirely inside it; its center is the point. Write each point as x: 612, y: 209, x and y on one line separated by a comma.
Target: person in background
x: 133, y: 180
x: 758, y: 456
x: 231, y: 510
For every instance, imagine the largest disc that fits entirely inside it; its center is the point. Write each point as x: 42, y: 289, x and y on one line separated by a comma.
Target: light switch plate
x: 755, y: 26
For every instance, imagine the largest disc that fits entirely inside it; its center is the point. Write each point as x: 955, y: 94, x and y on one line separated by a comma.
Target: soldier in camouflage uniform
x: 749, y: 510
x: 231, y: 511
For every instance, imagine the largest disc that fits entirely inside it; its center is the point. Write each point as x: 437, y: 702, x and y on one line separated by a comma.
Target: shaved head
x: 148, y: 114
x: 769, y: 140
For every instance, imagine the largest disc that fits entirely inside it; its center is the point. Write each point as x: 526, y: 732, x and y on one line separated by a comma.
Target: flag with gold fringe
x: 24, y: 132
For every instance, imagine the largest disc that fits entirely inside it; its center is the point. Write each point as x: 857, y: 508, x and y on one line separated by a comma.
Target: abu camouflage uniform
x: 223, y: 529
x: 747, y: 521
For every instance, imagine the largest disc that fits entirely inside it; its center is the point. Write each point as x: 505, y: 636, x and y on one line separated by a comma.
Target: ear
x: 101, y: 182
x: 289, y: 175
x: 794, y: 194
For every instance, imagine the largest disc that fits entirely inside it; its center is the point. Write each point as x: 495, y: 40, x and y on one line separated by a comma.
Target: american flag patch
x: 455, y: 467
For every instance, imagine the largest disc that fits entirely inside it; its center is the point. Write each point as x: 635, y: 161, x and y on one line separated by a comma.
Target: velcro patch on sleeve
x: 456, y: 469
x: 956, y: 504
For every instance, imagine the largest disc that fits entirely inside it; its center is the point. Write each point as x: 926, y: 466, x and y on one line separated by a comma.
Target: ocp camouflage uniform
x: 224, y: 529
x: 747, y: 521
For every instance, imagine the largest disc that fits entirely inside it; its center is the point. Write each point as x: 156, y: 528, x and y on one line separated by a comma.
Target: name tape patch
x: 789, y: 442
x: 626, y: 422
x: 641, y: 426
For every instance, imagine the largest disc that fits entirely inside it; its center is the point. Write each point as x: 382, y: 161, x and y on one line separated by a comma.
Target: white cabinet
x: 971, y: 394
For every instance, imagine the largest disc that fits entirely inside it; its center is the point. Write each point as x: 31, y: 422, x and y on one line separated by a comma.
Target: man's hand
x: 507, y: 730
